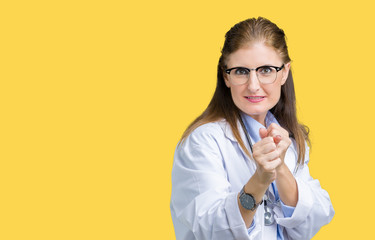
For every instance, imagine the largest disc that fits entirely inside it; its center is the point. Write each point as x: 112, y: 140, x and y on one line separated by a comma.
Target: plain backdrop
x: 94, y: 96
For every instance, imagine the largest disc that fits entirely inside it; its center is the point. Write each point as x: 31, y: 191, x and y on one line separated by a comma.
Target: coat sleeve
x: 314, y: 208
x: 201, y: 193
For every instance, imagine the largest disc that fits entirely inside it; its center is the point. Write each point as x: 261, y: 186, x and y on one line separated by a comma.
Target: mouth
x: 255, y: 99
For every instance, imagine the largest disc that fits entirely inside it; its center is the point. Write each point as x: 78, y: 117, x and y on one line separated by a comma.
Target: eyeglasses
x: 241, y: 75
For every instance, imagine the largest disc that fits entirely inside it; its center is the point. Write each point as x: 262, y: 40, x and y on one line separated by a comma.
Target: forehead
x: 254, y: 55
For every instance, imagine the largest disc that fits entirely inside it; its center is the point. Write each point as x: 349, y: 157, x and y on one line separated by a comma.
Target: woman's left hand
x: 280, y: 137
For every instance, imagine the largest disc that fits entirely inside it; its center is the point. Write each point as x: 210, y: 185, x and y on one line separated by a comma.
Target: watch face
x: 247, y: 201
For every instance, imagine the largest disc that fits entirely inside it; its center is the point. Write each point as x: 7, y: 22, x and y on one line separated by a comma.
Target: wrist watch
x: 248, y: 201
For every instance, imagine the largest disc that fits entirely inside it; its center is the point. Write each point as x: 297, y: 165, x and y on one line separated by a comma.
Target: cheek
x: 236, y: 92
x: 275, y: 94
x: 236, y: 96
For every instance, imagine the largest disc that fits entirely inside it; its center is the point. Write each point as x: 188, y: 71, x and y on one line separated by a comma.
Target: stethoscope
x: 269, y: 217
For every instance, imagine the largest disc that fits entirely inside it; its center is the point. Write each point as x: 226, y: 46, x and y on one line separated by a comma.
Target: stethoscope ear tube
x: 246, y: 133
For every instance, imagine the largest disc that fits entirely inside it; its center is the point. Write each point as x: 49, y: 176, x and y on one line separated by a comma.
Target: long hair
x: 222, y: 105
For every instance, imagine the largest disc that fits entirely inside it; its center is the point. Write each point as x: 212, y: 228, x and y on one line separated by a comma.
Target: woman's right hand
x: 267, y: 158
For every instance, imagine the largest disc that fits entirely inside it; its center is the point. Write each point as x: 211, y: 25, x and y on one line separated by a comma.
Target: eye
x: 266, y: 70
x: 241, y: 71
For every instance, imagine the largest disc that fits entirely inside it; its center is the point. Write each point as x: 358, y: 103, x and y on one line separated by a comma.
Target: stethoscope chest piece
x: 269, y: 218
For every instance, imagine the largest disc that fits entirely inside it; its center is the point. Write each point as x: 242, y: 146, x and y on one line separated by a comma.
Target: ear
x: 226, y: 80
x: 285, y: 73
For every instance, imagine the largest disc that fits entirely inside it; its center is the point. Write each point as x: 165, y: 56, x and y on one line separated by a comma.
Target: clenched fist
x: 269, y: 152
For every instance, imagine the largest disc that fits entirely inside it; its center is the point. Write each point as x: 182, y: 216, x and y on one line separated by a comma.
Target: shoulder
x: 208, y: 132
x: 211, y: 127
x: 202, y: 148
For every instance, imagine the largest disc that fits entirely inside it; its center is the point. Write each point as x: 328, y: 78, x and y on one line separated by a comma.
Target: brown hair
x: 222, y: 105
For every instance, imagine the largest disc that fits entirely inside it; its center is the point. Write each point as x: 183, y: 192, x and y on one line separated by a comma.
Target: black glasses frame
x: 256, y: 69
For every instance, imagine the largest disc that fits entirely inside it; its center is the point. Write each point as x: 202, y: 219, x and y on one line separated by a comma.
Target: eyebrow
x: 267, y: 65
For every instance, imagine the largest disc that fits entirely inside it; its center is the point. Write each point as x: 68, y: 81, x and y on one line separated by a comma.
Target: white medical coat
x: 209, y: 170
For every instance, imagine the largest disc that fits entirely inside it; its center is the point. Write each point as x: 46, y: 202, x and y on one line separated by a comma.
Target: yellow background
x: 94, y: 96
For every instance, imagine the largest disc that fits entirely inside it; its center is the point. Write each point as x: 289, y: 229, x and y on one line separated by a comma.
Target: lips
x: 255, y: 99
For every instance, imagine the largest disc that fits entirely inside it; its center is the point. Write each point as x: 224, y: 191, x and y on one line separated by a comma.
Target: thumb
x: 277, y: 139
x: 263, y: 133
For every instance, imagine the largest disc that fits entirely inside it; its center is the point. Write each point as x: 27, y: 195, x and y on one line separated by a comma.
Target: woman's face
x: 253, y: 97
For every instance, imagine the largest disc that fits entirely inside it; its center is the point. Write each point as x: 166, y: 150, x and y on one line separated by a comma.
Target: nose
x: 253, y: 83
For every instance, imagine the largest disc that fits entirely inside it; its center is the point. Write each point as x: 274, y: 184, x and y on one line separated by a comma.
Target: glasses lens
x: 266, y: 74
x: 239, y: 76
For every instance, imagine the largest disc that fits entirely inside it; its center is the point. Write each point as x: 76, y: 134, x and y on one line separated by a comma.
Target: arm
x: 267, y: 160
x: 314, y: 208
x: 287, y: 186
x: 202, y: 197
x: 257, y: 188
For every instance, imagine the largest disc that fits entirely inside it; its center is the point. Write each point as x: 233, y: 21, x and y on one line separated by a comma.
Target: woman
x: 240, y: 170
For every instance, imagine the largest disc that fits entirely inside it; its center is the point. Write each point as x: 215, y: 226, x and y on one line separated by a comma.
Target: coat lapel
x: 229, y: 134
